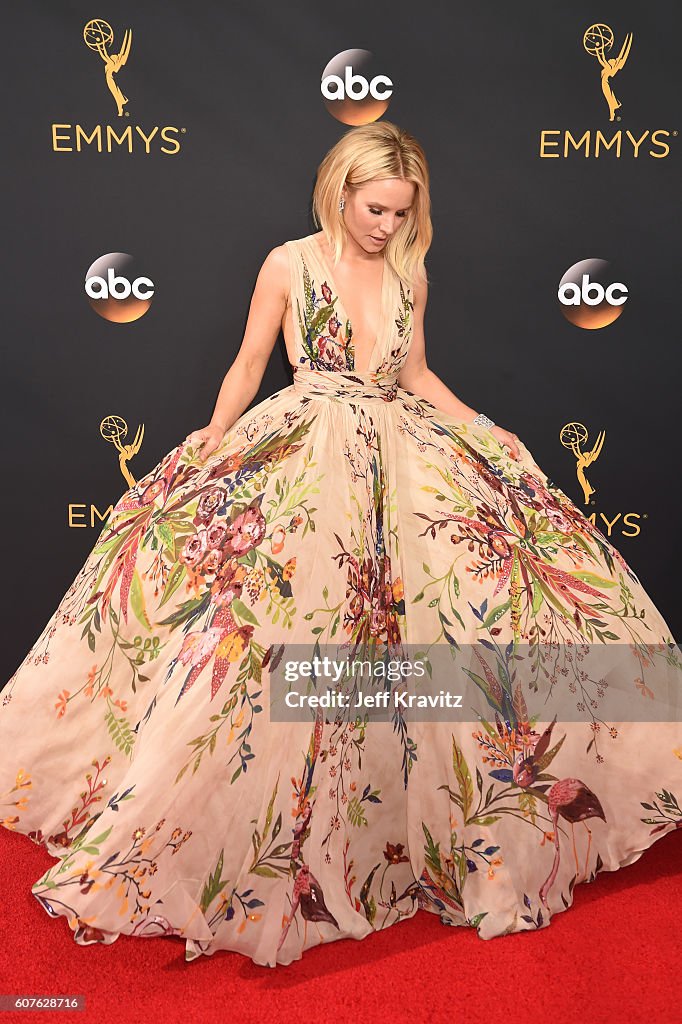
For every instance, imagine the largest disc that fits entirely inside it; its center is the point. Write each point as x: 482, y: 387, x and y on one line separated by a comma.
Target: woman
x: 146, y: 738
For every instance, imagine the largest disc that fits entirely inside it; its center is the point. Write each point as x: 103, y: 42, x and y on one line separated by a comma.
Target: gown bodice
x: 323, y: 330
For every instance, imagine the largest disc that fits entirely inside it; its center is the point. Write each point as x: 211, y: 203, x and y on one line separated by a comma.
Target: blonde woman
x: 148, y: 740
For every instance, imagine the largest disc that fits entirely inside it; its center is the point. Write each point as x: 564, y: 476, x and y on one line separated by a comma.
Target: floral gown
x: 136, y: 743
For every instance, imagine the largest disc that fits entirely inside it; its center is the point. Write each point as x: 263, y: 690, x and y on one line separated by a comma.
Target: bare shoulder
x: 275, y: 270
x: 420, y: 292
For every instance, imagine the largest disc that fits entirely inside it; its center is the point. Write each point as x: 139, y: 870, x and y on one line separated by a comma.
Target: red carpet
x: 613, y: 956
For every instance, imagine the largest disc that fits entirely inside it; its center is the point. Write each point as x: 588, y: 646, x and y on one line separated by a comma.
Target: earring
x: 342, y: 203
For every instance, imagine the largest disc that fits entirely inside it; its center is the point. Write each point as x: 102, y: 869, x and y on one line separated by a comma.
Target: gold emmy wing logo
x: 598, y: 40
x: 573, y: 436
x: 112, y: 429
x: 99, y: 35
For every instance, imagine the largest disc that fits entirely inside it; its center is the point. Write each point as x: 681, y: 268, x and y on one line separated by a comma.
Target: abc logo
x: 116, y: 290
x: 355, y: 86
x: 354, y: 91
x: 588, y: 295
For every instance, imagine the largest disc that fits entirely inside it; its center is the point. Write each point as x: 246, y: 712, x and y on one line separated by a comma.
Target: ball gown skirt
x: 136, y: 740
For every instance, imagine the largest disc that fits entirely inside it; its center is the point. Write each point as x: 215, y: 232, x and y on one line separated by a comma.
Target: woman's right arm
x: 243, y: 379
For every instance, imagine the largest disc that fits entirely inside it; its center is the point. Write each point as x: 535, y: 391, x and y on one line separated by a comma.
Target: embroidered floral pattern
x: 136, y: 741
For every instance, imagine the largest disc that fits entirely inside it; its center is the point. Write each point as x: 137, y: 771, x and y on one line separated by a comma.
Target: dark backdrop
x: 476, y: 84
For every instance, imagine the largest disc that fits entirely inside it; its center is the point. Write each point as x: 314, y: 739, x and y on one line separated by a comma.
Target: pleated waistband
x: 342, y: 386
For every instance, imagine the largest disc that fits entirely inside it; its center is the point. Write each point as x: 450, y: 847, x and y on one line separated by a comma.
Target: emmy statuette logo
x: 98, y: 35
x: 114, y: 430
x: 121, y: 137
x: 574, y: 436
x: 558, y: 143
x: 598, y: 40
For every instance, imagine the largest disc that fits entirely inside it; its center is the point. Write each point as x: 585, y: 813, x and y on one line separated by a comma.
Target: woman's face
x: 377, y: 210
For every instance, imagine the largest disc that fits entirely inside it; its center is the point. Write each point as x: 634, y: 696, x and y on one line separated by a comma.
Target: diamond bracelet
x: 483, y: 420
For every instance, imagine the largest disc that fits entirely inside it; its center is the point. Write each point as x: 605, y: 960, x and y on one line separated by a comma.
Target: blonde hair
x: 365, y: 153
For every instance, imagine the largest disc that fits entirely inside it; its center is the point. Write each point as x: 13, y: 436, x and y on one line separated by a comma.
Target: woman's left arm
x: 415, y: 376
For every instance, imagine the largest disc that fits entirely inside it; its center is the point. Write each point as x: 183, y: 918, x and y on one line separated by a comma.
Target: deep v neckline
x: 324, y: 263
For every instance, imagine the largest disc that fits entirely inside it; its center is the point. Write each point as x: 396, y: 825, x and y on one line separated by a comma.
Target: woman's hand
x: 505, y: 438
x: 207, y: 439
